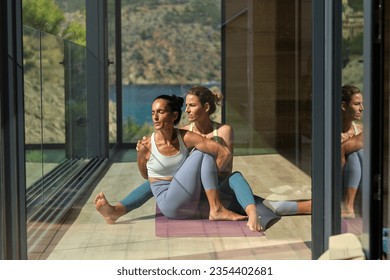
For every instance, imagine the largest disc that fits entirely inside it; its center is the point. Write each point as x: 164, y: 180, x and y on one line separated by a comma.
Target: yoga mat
x: 354, y: 226
x: 201, y: 226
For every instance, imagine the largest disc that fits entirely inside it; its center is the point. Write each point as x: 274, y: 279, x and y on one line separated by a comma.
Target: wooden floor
x: 85, y: 235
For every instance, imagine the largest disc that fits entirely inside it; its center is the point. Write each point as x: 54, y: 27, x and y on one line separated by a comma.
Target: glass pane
x: 267, y: 51
x: 112, y: 105
x: 46, y: 132
x: 76, y: 100
x: 56, y: 121
x: 159, y: 56
x: 53, y: 101
x: 33, y: 105
x: 352, y: 114
x: 258, y: 55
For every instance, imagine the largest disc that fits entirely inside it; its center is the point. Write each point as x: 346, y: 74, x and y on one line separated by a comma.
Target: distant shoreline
x: 137, y: 99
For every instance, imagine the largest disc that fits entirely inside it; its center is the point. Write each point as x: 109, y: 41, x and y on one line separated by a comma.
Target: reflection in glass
x: 352, y: 108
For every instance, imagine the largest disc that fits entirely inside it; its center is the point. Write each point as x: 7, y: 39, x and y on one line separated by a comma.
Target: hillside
x: 165, y: 43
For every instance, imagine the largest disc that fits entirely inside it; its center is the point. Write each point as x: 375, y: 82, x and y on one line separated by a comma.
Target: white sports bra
x: 160, y: 166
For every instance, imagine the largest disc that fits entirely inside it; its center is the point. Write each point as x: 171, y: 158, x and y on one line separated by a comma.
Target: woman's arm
x: 225, y: 132
x: 351, y: 145
x: 221, y: 153
x: 225, y: 138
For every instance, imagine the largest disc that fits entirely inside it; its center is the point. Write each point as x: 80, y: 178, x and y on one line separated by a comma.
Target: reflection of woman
x: 175, y: 178
x: 352, y: 110
x: 351, y: 160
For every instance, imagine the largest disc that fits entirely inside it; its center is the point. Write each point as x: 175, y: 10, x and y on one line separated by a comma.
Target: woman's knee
x: 353, y: 162
x: 360, y: 154
x: 196, y: 154
x: 353, y: 156
x: 352, y: 171
x: 207, y: 157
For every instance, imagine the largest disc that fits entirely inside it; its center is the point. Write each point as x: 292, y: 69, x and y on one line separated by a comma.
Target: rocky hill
x: 171, y: 42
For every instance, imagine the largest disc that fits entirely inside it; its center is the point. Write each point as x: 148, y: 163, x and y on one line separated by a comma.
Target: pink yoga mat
x: 201, y: 227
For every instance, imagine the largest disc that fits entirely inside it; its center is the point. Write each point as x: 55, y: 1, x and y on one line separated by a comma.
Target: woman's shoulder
x: 223, y: 127
x: 184, y: 132
x: 185, y: 127
x: 358, y: 127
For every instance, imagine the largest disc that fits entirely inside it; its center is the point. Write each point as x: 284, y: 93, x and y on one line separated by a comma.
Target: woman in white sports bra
x: 175, y: 178
x: 232, y: 185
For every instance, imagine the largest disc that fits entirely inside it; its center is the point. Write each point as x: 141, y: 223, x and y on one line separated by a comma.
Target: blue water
x: 137, y: 99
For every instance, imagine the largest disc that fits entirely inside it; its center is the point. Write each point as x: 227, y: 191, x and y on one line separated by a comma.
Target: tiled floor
x: 85, y: 235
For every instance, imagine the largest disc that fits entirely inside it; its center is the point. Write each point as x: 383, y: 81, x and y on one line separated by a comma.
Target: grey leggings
x: 179, y: 198
x: 352, y: 172
x: 235, y: 185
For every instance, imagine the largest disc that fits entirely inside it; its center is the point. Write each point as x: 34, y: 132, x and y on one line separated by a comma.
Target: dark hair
x: 205, y: 95
x: 347, y: 91
x: 175, y: 103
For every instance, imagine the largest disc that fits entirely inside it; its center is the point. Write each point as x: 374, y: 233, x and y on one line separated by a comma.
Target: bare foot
x: 347, y: 213
x: 253, y: 219
x: 253, y: 223
x: 223, y: 214
x: 105, y: 209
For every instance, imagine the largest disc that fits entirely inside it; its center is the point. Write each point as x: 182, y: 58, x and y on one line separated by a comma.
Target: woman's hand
x: 221, y: 153
x: 143, y: 148
x: 142, y: 142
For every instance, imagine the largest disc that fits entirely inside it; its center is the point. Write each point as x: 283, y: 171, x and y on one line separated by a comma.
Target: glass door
x: 365, y: 84
x: 351, y: 115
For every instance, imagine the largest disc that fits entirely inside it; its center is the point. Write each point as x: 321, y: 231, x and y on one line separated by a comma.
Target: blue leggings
x: 352, y: 172
x: 179, y: 198
x: 234, y: 184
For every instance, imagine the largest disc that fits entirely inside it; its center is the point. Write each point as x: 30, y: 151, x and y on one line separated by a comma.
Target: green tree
x: 75, y: 32
x: 43, y: 15
x: 47, y: 16
x: 356, y: 5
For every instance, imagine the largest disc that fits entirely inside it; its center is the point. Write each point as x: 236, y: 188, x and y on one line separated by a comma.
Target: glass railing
x: 55, y: 96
